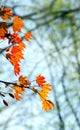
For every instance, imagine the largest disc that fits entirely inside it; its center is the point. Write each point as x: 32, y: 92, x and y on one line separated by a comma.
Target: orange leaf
x: 44, y: 92
x: 18, y: 92
x: 15, y: 55
x: 3, y: 29
x: 16, y: 69
x: 17, y: 24
x: 43, y: 95
x: 17, y: 96
x: 18, y: 89
x: 23, y: 82
x: 40, y: 80
x: 3, y: 25
x: 28, y: 35
x: 46, y: 87
x: 15, y: 38
x: 15, y: 49
x: 47, y: 105
x: 5, y: 13
x: 21, y: 45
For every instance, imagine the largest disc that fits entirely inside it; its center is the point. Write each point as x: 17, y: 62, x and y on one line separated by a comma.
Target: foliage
x: 55, y: 51
x: 14, y: 53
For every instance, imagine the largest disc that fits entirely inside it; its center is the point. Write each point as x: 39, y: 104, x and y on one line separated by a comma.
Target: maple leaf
x: 14, y: 62
x: 3, y: 25
x: 17, y: 24
x: 18, y: 92
x: 17, y: 96
x: 47, y: 105
x: 15, y: 38
x: 17, y: 69
x: 45, y: 90
x: 40, y: 80
x: 15, y: 59
x: 3, y: 29
x: 2, y: 33
x: 46, y: 86
x: 5, y: 13
x: 23, y: 81
x: 21, y: 45
x: 43, y: 95
x: 18, y: 89
x: 28, y: 36
x: 15, y: 55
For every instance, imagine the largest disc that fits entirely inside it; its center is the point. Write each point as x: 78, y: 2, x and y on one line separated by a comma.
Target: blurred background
x: 53, y: 51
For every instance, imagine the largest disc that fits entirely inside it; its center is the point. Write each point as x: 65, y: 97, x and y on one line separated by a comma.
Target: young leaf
x: 40, y: 80
x: 5, y: 13
x: 47, y: 105
x: 3, y: 29
x: 23, y: 81
x: 28, y: 36
x: 17, y: 24
x: 18, y: 92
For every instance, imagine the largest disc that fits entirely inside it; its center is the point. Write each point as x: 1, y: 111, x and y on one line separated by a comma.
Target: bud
x: 5, y: 102
x: 11, y: 95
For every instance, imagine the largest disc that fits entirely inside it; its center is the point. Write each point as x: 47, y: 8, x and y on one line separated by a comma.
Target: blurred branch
x: 64, y: 89
x: 67, y: 99
x: 59, y: 13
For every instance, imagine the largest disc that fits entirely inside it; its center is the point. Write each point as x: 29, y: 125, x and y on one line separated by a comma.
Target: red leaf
x: 40, y: 80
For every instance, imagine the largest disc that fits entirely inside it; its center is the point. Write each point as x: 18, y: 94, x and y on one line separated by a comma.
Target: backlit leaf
x: 3, y: 29
x: 5, y: 13
x: 28, y: 36
x: 18, y: 92
x: 40, y: 80
x: 23, y: 81
x: 47, y: 105
x: 44, y: 91
x: 17, y: 24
